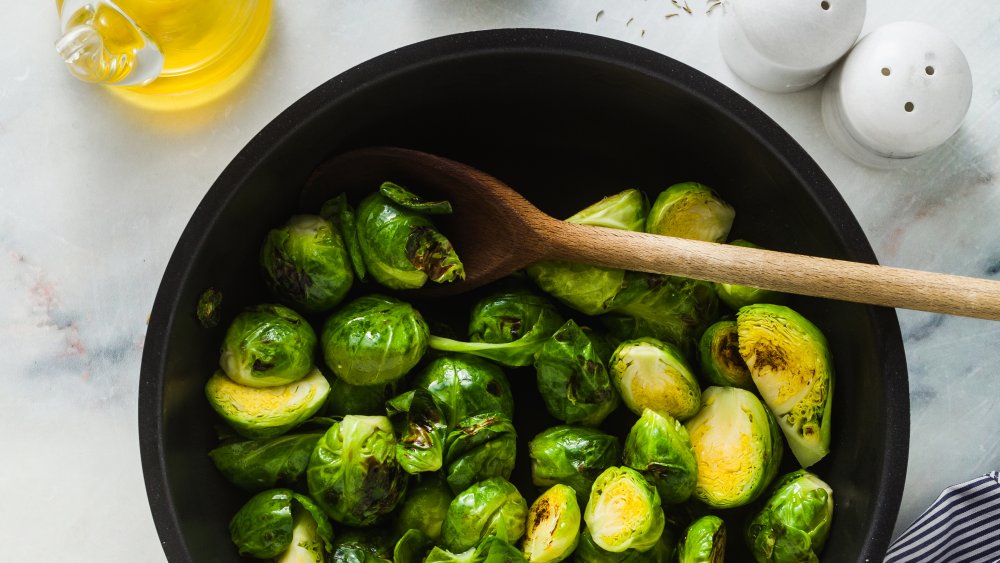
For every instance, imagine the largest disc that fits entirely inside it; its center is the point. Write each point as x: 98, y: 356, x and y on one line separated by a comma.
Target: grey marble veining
x: 94, y: 194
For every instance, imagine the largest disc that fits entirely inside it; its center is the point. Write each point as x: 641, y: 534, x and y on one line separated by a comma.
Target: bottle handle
x: 88, y: 56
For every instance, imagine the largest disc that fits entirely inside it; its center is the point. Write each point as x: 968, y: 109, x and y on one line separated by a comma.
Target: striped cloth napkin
x: 962, y: 526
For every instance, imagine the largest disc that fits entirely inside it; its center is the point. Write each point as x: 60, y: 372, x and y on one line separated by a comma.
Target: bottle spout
x: 91, y: 58
x: 82, y: 49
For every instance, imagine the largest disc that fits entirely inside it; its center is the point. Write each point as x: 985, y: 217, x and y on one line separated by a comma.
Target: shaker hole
x: 886, y: 71
x: 908, y: 106
x: 825, y: 5
x: 929, y: 70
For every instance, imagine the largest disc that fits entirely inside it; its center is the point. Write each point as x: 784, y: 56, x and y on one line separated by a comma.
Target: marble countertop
x: 95, y: 193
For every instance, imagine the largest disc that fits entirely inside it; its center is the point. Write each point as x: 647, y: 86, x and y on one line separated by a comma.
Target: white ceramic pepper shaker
x: 902, y: 91
x: 788, y: 45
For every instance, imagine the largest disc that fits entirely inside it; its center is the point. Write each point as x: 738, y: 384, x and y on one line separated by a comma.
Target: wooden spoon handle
x: 780, y: 271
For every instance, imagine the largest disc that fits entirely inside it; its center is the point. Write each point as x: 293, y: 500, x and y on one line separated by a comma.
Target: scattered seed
x: 713, y: 6
x: 643, y: 34
x: 599, y: 14
x: 687, y: 8
x: 629, y: 22
x: 671, y: 15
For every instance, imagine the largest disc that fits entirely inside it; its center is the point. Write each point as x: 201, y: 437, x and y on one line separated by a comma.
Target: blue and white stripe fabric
x: 962, y: 526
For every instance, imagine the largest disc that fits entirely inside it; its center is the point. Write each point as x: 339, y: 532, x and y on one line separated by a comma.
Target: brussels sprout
x: 345, y: 398
x: 625, y: 210
x: 267, y: 345
x: 483, y: 446
x: 572, y: 455
x: 651, y: 374
x: 721, y: 362
x: 590, y: 289
x: 508, y: 327
x: 266, y: 412
x: 589, y: 552
x: 411, y: 547
x: 553, y: 528
x: 374, y: 340
x: 207, y: 310
x: 422, y: 436
x: 737, y: 446
x: 466, y: 386
x: 510, y: 315
x: 362, y: 545
x: 401, y: 247
x: 490, y: 507
x: 305, y: 264
x: 255, y: 465
x: 672, y: 309
x: 691, y: 210
x: 281, y: 523
x: 424, y: 507
x: 340, y: 213
x: 704, y: 541
x: 572, y: 377
x: 353, y: 473
x: 491, y: 550
x: 439, y: 555
x: 658, y: 447
x: 737, y: 296
x: 794, y: 523
x: 624, y: 511
x: 791, y: 366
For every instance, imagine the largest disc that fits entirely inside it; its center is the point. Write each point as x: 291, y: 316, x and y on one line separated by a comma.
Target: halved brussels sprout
x: 572, y: 455
x: 737, y: 296
x: 791, y: 366
x: 704, y: 541
x: 668, y: 308
x: 423, y: 431
x: 483, y: 446
x: 794, y: 523
x: 279, y: 523
x: 651, y: 374
x: 553, y: 528
x: 425, y: 506
x: 466, y: 386
x: 374, y: 340
x: 691, y: 210
x: 490, y: 507
x: 508, y: 327
x: 572, y: 377
x: 401, y: 247
x: 624, y: 511
x: 737, y: 446
x: 658, y: 447
x: 266, y: 412
x: 267, y: 345
x: 353, y: 474
x: 590, y: 289
x: 305, y: 263
x: 721, y: 362
x: 255, y: 465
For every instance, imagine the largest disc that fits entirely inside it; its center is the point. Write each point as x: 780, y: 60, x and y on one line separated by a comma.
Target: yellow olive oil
x: 207, y: 46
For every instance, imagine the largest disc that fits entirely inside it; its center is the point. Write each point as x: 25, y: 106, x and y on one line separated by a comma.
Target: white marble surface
x: 94, y: 194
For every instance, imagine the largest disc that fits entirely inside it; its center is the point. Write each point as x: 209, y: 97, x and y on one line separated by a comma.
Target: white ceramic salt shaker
x: 788, y: 45
x: 902, y: 91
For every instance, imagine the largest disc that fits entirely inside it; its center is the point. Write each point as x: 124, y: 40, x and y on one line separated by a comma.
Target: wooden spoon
x: 497, y: 232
